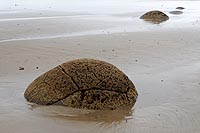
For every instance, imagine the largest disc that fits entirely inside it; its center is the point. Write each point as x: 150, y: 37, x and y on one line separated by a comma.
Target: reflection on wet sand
x: 119, y: 115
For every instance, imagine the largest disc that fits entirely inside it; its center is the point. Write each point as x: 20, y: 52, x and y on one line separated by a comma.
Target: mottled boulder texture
x: 155, y: 16
x: 83, y: 83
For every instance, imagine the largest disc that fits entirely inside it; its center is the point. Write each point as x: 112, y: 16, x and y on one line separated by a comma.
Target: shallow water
x: 162, y: 61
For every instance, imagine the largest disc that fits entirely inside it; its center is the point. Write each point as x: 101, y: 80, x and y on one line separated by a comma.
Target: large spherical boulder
x: 83, y: 83
x: 155, y: 16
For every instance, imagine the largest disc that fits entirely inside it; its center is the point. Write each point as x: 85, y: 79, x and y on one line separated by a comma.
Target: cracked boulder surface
x: 155, y: 16
x: 83, y: 83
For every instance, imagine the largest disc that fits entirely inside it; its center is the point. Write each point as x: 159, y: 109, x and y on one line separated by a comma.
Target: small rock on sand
x: 21, y: 68
x: 180, y: 8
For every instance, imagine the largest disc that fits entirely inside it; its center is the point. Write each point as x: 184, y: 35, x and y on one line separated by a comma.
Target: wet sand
x: 162, y: 61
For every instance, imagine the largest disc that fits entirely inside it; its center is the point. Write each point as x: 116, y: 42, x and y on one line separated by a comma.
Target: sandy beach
x: 161, y: 59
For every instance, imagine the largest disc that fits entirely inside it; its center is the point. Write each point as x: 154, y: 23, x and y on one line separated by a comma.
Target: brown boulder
x: 83, y: 83
x: 155, y: 16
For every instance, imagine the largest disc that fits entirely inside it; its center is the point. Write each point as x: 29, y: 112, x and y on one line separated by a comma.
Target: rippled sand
x: 162, y: 61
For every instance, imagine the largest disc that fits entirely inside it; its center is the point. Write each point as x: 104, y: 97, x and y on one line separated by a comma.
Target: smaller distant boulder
x: 180, y: 8
x: 155, y: 16
x: 176, y: 12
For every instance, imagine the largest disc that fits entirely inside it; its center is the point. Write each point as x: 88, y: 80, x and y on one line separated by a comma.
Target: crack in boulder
x: 69, y: 76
